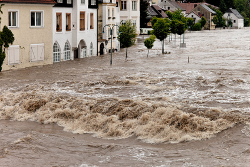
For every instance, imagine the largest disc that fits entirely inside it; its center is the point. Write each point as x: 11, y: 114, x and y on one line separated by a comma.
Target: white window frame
x: 42, y: 21
x: 17, y: 18
x: 66, y: 52
x: 16, y: 57
x: 134, y: 5
x: 124, y: 7
x: 39, y: 58
x: 56, y: 54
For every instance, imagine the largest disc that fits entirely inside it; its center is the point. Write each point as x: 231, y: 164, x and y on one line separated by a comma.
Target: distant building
x: 236, y: 18
x: 170, y: 5
x: 203, y: 10
x: 108, y: 14
x: 130, y: 10
x: 194, y: 16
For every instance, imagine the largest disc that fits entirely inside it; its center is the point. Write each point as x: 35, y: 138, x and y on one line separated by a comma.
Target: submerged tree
x: 6, y: 38
x: 127, y: 35
x: 161, y: 30
x: 149, y: 42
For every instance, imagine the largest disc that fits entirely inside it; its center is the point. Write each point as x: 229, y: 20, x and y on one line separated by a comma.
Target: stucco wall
x: 26, y: 35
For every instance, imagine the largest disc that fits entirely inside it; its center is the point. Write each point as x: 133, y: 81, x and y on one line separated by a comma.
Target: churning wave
x: 113, y: 118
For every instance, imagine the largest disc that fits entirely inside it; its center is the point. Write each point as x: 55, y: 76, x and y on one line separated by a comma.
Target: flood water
x: 189, y: 107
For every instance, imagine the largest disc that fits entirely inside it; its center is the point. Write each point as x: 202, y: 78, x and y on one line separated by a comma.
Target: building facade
x: 31, y: 25
x: 236, y: 18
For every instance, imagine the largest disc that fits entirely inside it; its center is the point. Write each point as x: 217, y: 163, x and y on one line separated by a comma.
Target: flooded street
x: 189, y: 107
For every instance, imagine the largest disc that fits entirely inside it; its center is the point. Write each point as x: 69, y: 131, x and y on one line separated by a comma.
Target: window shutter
x: 40, y: 52
x: 13, y: 54
x: 33, y: 52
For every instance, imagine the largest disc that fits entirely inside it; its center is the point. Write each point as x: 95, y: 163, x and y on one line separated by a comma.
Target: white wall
x: 238, y: 23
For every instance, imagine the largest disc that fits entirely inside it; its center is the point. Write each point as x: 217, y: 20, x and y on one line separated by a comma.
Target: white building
x: 130, y: 10
x: 74, y: 29
x: 235, y: 17
x: 194, y: 16
x: 108, y: 20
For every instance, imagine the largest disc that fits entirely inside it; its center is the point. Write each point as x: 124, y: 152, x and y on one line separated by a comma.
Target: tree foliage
x: 196, y: 27
x: 127, y: 35
x: 149, y: 42
x: 161, y: 30
x: 6, y: 38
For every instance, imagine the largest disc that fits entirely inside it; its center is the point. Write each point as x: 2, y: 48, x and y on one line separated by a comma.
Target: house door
x: 76, y: 53
x: 84, y: 52
x: 101, y: 48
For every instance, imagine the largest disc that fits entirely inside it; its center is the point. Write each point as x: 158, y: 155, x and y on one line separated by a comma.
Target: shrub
x: 196, y: 27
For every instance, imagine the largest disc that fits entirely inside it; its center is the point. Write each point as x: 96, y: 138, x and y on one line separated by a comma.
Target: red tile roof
x: 29, y: 1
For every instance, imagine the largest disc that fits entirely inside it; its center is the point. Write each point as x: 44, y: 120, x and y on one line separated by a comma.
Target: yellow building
x: 31, y: 23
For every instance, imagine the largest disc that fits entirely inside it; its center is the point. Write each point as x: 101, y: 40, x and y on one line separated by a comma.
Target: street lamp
x: 111, y: 33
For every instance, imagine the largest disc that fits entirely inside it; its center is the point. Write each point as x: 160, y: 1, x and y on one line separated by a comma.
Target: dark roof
x: 175, y: 4
x: 235, y: 12
x: 151, y: 11
x: 159, y: 10
x: 190, y: 6
x: 29, y: 1
x: 207, y: 8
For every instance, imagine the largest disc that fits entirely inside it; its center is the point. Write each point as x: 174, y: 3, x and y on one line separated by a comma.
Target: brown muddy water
x: 155, y: 111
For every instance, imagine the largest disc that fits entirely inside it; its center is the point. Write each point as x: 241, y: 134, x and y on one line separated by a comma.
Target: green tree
x: 223, y: 6
x: 127, y: 35
x: 190, y: 23
x: 161, y: 30
x: 181, y: 28
x: 196, y: 27
x: 6, y: 38
x: 220, y: 20
x: 202, y: 21
x: 149, y: 42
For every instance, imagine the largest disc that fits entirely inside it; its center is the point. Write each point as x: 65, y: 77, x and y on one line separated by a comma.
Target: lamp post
x: 111, y: 33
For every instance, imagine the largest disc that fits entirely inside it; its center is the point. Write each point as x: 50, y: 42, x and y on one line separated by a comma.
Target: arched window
x: 56, y: 52
x: 91, y: 49
x: 66, y: 51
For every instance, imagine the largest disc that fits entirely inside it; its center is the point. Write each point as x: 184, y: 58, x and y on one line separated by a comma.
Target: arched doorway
x: 101, y: 49
x: 82, y: 49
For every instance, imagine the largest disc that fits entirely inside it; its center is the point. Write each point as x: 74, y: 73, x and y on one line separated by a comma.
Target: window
x: 36, y: 19
x: 13, y: 54
x: 109, y: 14
x: 93, y: 2
x: 91, y: 21
x: 68, y: 21
x: 68, y: 1
x: 91, y: 49
x: 58, y: 22
x: 36, y: 52
x: 134, y: 23
x: 13, y: 19
x: 56, y: 52
x: 134, y: 5
x: 124, y: 5
x: 84, y: 52
x: 234, y: 21
x: 82, y: 21
x: 66, y: 51
x: 59, y: 1
x: 82, y: 1
x: 113, y: 13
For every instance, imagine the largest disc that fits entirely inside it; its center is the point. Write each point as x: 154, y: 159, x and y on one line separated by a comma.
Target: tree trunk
x: 148, y: 52
x: 126, y: 54
x: 163, y: 46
